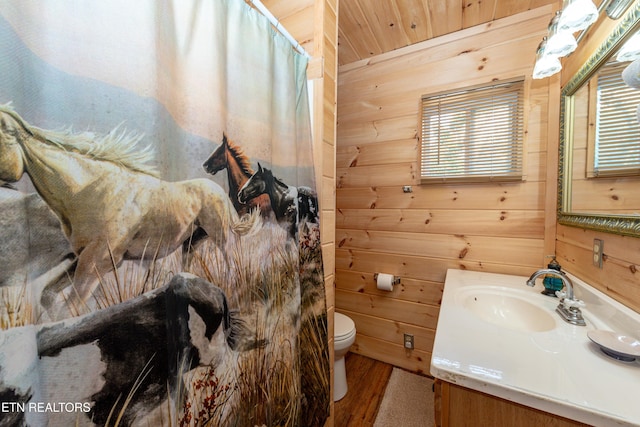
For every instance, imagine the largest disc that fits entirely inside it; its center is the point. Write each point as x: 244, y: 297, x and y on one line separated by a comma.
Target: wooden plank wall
x: 620, y: 274
x: 325, y: 110
x: 419, y: 235
x: 314, y: 24
x: 325, y: 107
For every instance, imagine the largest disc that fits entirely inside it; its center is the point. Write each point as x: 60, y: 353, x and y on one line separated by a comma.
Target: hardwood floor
x: 367, y: 380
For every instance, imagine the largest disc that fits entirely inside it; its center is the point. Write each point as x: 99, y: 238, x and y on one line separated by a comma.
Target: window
x: 613, y: 149
x: 473, y: 135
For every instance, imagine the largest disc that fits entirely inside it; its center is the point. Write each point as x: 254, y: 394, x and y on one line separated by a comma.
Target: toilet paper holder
x: 396, y: 279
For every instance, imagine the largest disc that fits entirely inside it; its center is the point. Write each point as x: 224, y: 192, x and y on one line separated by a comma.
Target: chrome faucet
x: 569, y: 307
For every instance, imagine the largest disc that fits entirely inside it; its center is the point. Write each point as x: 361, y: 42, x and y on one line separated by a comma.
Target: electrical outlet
x: 408, y: 341
x: 598, y: 251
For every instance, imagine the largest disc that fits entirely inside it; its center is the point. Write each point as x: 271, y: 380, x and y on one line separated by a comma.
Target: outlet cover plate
x: 408, y: 341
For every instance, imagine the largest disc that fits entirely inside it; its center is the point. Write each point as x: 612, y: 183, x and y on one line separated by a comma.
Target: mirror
x: 589, y: 199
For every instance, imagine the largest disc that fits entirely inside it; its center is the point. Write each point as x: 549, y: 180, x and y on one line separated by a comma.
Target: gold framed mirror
x: 587, y: 199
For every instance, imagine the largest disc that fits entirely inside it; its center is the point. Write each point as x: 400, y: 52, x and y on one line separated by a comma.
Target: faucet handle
x: 569, y: 303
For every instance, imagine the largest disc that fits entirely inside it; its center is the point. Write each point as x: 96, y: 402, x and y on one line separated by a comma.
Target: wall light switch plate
x: 598, y: 252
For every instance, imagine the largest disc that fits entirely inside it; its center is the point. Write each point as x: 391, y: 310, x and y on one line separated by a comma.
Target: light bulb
x: 577, y: 15
x: 559, y: 43
x: 546, y: 65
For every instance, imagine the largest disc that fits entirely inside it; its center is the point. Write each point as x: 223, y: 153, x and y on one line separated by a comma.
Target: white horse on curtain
x: 111, y: 204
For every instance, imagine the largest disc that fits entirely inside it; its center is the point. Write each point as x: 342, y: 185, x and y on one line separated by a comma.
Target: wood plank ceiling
x: 368, y: 28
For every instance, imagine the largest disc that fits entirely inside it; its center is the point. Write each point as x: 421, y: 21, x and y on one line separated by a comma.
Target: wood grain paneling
x: 417, y: 267
x: 414, y: 290
x: 404, y: 127
x: 504, y: 196
x: 384, y: 307
x: 497, y: 227
x: 388, y: 331
x: 456, y: 246
x: 395, y: 354
x: 372, y: 27
x: 619, y: 276
x: 401, y: 173
x: 401, y: 151
x: 497, y: 223
x: 457, y: 406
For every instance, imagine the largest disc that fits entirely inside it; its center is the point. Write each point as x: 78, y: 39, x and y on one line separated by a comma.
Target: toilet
x: 343, y: 337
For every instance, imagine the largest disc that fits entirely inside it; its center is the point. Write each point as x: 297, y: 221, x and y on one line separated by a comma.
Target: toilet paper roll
x: 385, y: 281
x: 631, y: 74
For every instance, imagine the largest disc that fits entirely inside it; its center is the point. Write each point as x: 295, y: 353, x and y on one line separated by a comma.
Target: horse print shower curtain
x: 160, y: 241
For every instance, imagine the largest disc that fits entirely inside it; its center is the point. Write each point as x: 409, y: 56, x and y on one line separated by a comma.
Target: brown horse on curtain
x: 230, y: 157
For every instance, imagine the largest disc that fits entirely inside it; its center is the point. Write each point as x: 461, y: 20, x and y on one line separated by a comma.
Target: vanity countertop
x: 559, y: 370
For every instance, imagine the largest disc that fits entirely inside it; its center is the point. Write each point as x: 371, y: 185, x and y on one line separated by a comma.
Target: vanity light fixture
x: 546, y: 65
x: 577, y: 15
x: 560, y: 42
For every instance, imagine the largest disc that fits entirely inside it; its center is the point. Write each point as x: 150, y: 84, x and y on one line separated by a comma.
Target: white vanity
x: 499, y: 337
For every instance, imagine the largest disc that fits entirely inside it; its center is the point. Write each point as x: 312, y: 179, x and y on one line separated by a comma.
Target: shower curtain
x: 160, y: 242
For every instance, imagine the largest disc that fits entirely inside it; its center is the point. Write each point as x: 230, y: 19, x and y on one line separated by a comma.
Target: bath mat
x: 407, y: 401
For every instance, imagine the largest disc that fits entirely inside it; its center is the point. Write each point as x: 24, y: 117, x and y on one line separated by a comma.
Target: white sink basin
x: 498, y: 336
x: 507, y: 310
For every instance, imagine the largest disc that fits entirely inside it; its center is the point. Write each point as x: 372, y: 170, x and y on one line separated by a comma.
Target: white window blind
x: 617, y: 133
x: 473, y: 135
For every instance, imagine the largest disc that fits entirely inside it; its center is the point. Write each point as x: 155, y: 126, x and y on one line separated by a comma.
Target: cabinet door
x: 457, y: 406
